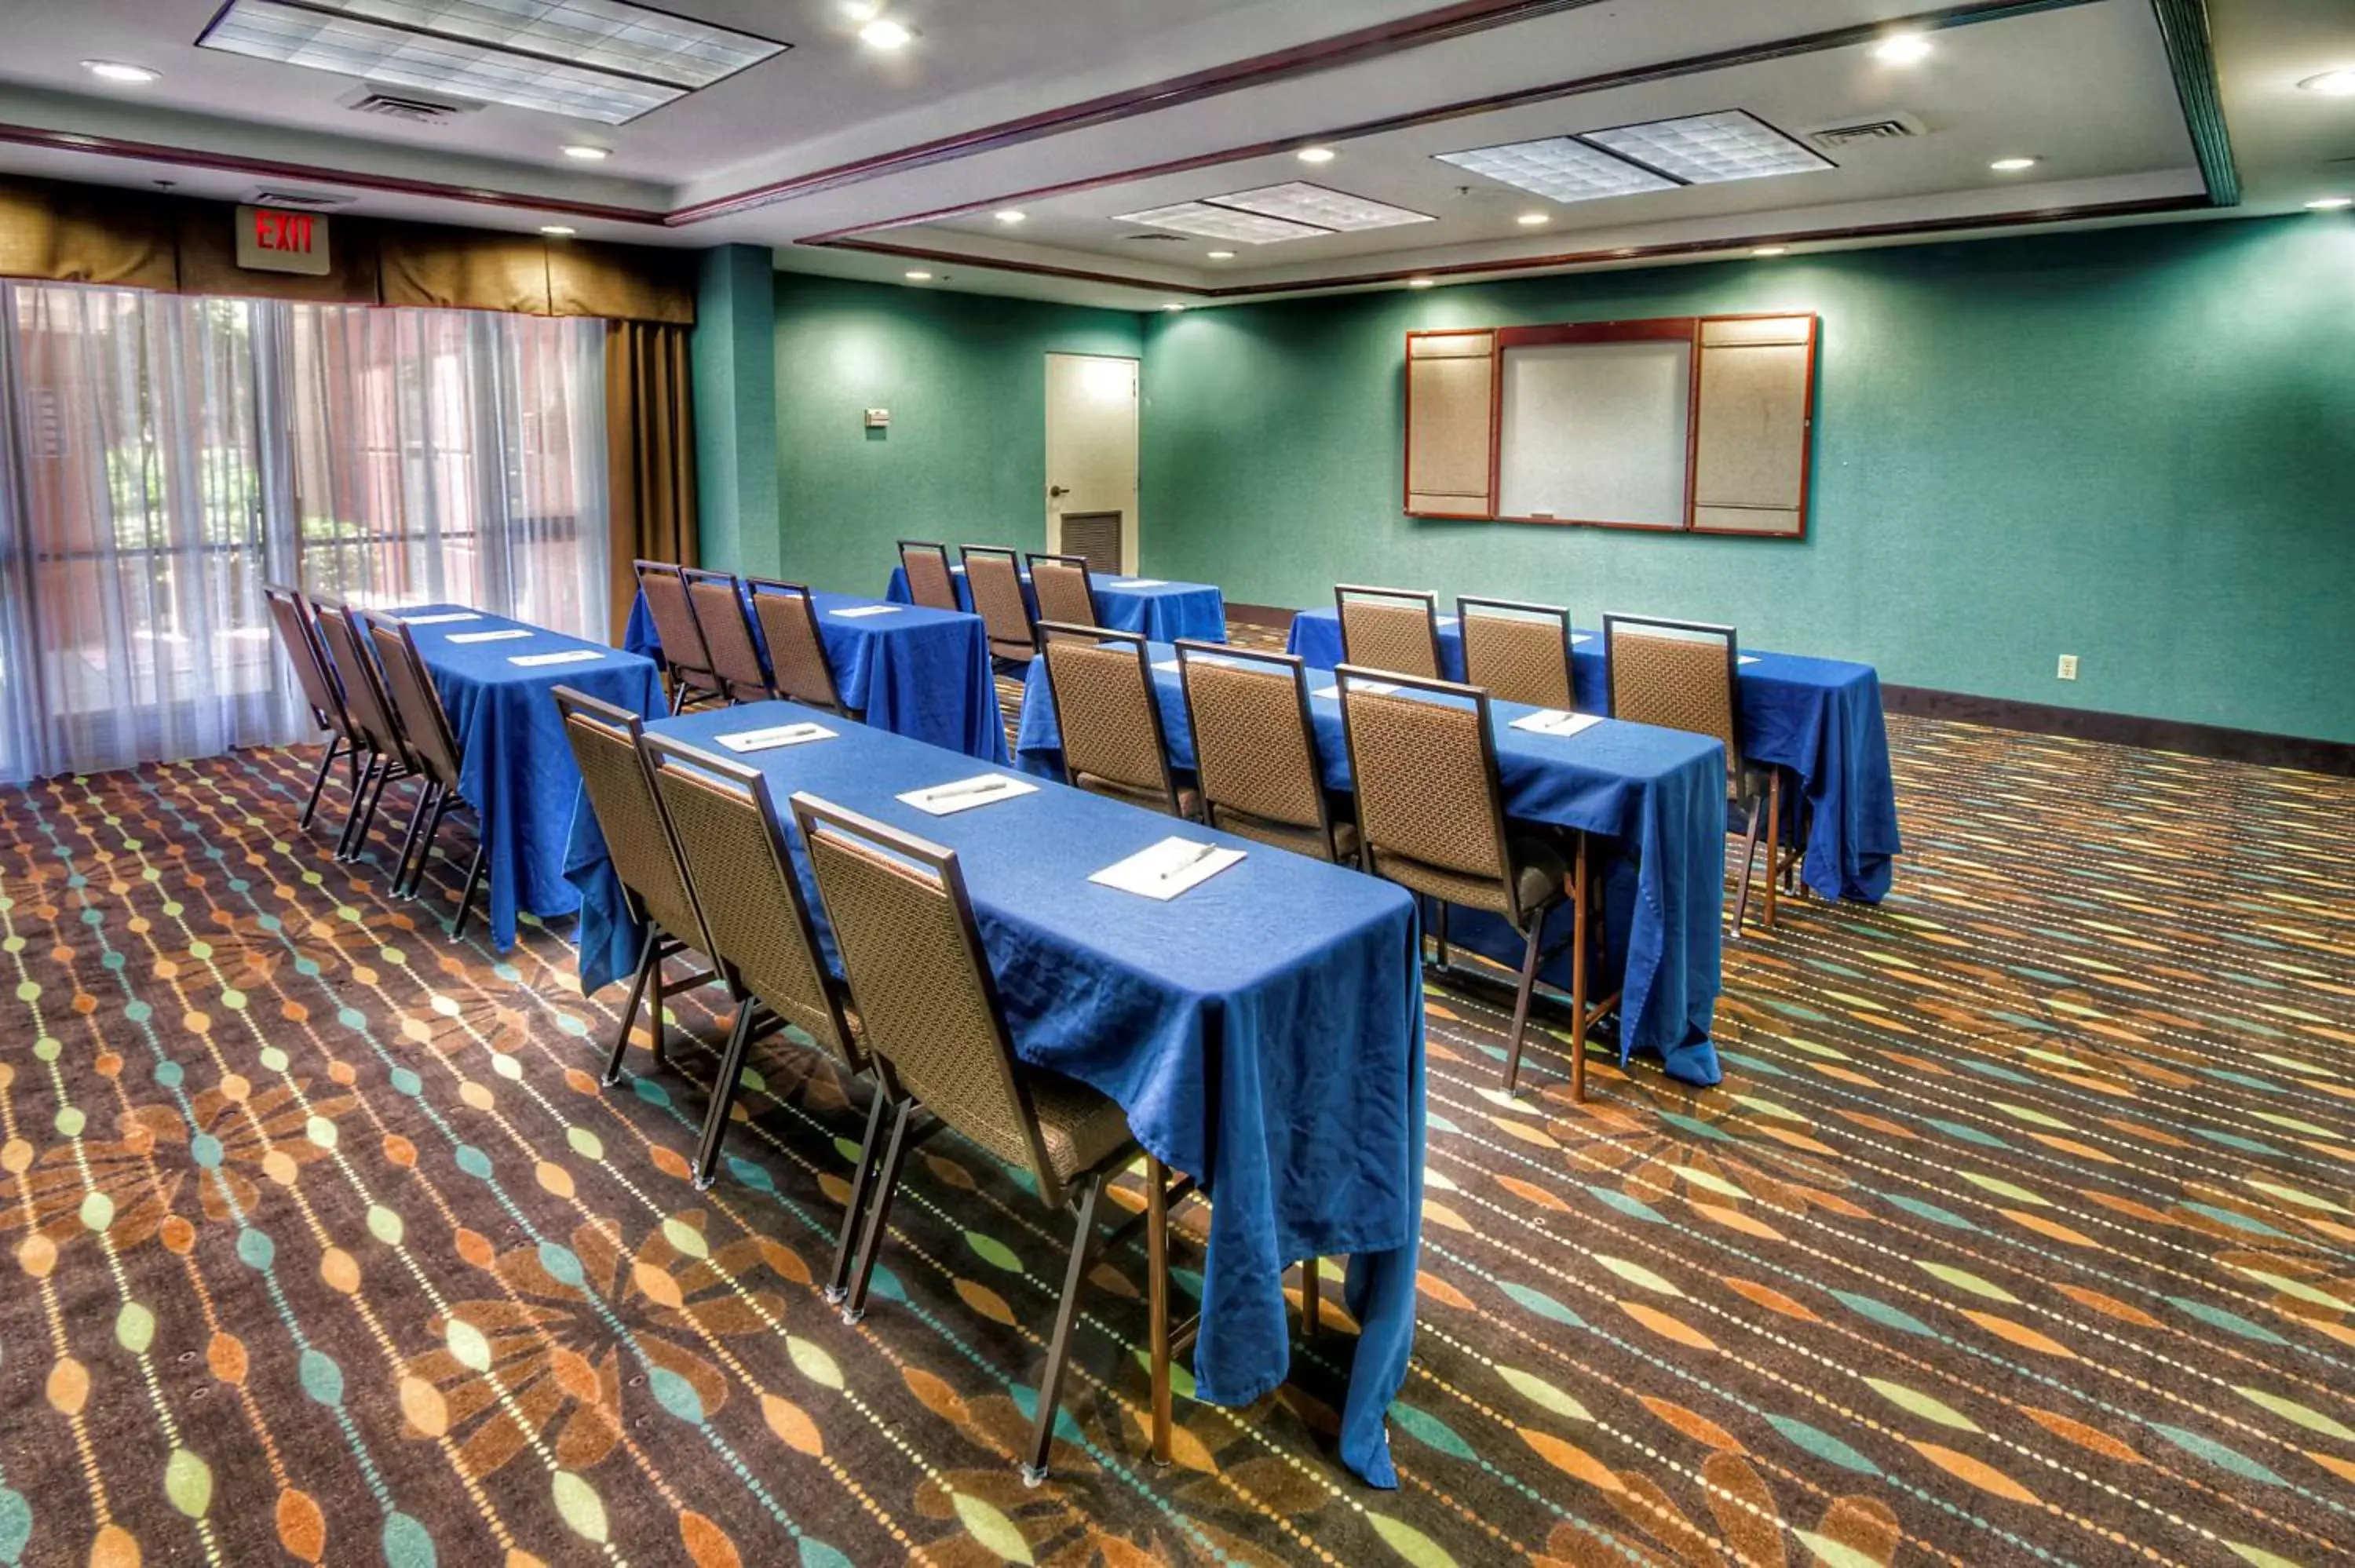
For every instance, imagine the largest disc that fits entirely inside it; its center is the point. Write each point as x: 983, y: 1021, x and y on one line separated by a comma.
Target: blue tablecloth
x: 1163, y: 611
x: 1264, y: 1032
x: 1820, y: 718
x: 519, y: 775
x: 924, y: 674
x: 1658, y: 794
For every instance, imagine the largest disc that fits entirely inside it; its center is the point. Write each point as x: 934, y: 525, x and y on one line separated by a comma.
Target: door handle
x: 1054, y: 490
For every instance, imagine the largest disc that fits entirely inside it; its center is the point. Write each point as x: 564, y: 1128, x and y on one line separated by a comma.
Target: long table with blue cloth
x: 1262, y: 1031
x: 919, y: 672
x: 1820, y: 718
x: 1655, y: 797
x: 1150, y: 607
x: 518, y: 775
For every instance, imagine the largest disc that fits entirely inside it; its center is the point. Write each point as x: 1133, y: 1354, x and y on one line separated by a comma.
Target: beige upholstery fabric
x: 996, y: 583
x: 929, y: 581
x: 1392, y: 636
x: 1252, y: 750
x: 631, y: 818
x: 1285, y: 835
x: 1062, y: 591
x: 1538, y: 873
x: 682, y: 641
x: 1519, y: 658
x: 1104, y: 705
x: 1676, y: 681
x: 1423, y: 786
x: 797, y: 655
x: 728, y: 636
x: 423, y: 720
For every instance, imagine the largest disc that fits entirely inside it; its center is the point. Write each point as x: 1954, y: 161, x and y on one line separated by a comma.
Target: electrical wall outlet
x: 2068, y: 666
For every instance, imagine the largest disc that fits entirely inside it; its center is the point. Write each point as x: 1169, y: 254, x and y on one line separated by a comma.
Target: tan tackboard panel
x: 1752, y: 410
x: 1450, y: 409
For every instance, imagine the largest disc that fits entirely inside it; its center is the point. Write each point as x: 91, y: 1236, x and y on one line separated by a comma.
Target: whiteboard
x: 1594, y: 432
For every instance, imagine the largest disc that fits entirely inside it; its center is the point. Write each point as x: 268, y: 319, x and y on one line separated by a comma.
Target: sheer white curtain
x: 166, y: 456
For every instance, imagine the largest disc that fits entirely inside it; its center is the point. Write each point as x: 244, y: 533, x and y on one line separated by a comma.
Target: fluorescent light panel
x: 604, y: 61
x: 1221, y: 223
x: 1710, y: 149
x: 1559, y: 168
x: 1293, y: 210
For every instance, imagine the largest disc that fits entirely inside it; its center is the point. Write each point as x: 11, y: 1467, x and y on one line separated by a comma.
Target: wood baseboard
x: 2332, y: 757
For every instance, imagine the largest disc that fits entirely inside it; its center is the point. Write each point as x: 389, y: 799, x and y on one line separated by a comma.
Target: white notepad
x: 1371, y: 688
x: 1553, y: 721
x: 1168, y: 869
x: 1577, y: 637
x: 1171, y: 665
x: 1138, y: 582
x: 774, y: 736
x: 1748, y: 658
x: 509, y: 635
x: 569, y: 656
x: 442, y: 620
x: 857, y: 610
x: 965, y: 794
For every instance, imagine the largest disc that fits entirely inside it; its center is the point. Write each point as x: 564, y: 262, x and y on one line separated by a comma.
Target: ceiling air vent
x: 400, y: 106
x: 1889, y: 128
x: 306, y: 201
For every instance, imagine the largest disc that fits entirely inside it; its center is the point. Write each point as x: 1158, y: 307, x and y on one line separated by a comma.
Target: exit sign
x: 273, y: 239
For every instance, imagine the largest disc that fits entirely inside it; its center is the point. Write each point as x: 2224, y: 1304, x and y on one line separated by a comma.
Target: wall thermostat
x: 878, y: 419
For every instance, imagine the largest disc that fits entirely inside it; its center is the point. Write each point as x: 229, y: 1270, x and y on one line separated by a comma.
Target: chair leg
x: 1156, y: 1294
x: 425, y: 846
x: 1443, y: 934
x: 352, y: 829
x: 723, y: 1094
x: 473, y: 882
x: 677, y: 695
x: 426, y: 798
x: 1058, y: 1347
x: 1751, y: 809
x: 319, y: 783
x: 1773, y: 839
x: 1311, y: 1294
x: 1521, y: 1004
x: 1578, y: 939
x: 861, y: 1183
x: 655, y: 1027
x: 870, y: 1236
x: 647, y: 964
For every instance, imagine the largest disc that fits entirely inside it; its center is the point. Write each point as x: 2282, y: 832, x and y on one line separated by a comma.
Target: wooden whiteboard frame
x: 1683, y: 329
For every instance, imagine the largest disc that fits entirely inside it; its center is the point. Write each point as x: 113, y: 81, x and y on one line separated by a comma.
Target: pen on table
x: 951, y: 791
x: 1201, y: 852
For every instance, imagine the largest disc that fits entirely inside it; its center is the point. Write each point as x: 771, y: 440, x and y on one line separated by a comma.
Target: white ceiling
x: 2086, y: 89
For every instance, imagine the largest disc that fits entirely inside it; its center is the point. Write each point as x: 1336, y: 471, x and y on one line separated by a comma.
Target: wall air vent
x: 400, y: 106
x: 1888, y: 128
x: 304, y: 201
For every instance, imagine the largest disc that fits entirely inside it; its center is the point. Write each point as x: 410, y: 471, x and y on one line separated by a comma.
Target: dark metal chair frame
x: 831, y: 700
x: 1001, y: 646
x: 1049, y: 631
x: 916, y: 595
x: 688, y: 670
x: 812, y: 816
x: 1403, y: 598
x: 733, y: 688
x: 1467, y: 606
x: 322, y: 691
x: 388, y: 758
x: 1080, y: 564
x: 1189, y: 650
x: 439, y: 763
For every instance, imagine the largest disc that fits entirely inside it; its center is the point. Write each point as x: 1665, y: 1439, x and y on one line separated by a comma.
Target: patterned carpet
x: 2018, y: 1232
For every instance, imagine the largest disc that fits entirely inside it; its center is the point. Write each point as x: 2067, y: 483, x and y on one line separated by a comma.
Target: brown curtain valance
x: 58, y: 232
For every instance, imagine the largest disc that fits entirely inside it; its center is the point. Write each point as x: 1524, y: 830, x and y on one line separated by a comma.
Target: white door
x: 1091, y: 451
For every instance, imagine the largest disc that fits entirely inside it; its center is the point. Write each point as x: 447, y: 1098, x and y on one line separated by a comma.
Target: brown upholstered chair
x: 342, y: 631
x: 912, y: 957
x: 439, y: 765
x: 799, y: 666
x: 1432, y: 814
x: 1255, y: 750
x: 1101, y: 684
x: 717, y: 600
x: 994, y: 576
x: 645, y: 852
x: 1396, y: 629
x: 741, y: 877
x: 1519, y: 652
x: 1685, y: 674
x: 687, y: 662
x: 1063, y: 588
x: 930, y: 583
x: 298, y: 636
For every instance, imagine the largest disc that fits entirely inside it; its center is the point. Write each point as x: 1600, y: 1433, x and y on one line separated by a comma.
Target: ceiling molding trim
x: 1908, y: 228
x: 2191, y: 56
x: 313, y: 175
x: 1958, y: 15
x: 1455, y: 21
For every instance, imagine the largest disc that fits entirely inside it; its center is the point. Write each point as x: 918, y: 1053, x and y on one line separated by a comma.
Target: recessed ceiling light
x: 1710, y: 149
x: 1173, y: 306
x: 2013, y: 166
x: 2332, y: 83
x: 1316, y: 155
x: 883, y: 33
x: 1902, y: 48
x: 1770, y: 250
x: 1420, y: 282
x: 2330, y: 203
x: 588, y: 153
x: 1533, y: 219
x: 1010, y: 216
x: 919, y: 276
x: 116, y: 70
x: 1558, y: 168
x: 1222, y: 255
x: 557, y: 231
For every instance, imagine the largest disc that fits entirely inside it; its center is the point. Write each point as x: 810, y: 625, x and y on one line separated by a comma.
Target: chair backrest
x: 1254, y: 743
x: 1678, y: 675
x: 299, y: 638
x: 417, y: 703
x: 717, y: 600
x: 682, y: 640
x: 995, y: 580
x: 1062, y: 587
x: 798, y: 661
x: 929, y: 581
x: 914, y: 961
x: 1425, y: 770
x: 1390, y: 628
x: 638, y: 836
x: 365, y: 701
x: 741, y: 877
x: 1521, y: 652
x: 1102, y: 685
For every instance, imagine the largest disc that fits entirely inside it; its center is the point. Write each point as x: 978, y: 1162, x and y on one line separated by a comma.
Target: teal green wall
x: 964, y: 459
x: 734, y: 366
x: 2135, y: 446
